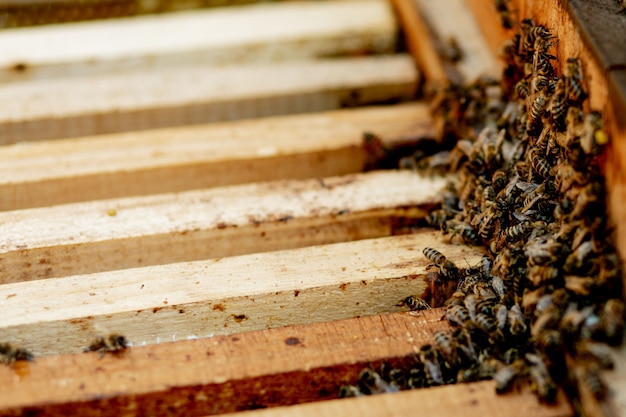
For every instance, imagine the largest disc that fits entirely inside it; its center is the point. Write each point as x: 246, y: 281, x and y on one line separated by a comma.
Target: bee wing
x: 465, y: 146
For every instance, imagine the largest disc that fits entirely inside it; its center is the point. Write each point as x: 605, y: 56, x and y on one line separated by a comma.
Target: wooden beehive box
x: 195, y: 181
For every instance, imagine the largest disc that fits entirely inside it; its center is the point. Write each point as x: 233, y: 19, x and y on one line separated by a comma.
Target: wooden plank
x: 428, y: 27
x: 51, y: 109
x: 88, y: 237
x: 476, y: 399
x: 215, y: 375
x: 222, y: 296
x: 266, y: 32
x: 452, y: 19
x: 491, y: 23
x: 43, y: 173
x: 420, y: 42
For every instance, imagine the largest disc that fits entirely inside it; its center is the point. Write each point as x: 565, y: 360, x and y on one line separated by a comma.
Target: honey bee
x: 517, y: 322
x: 536, y: 111
x: 485, y: 323
x: 499, y: 286
x: 507, y: 376
x: 446, y: 268
x: 112, y: 342
x: 573, y: 81
x: 465, y: 344
x: 549, y: 342
x: 432, y: 368
x: 437, y: 217
x: 579, y: 285
x: 541, y: 166
x: 506, y: 16
x: 522, y: 89
x: 10, y: 353
x: 541, y: 381
x: 539, y: 275
x: 599, y: 353
x: 415, y: 303
x: 346, y: 391
x: 457, y: 315
x: 589, y: 375
x: 370, y: 382
x: 446, y: 346
x: 417, y: 377
x: 612, y: 321
x: 593, y: 136
x: 395, y: 376
x: 452, y: 51
x: 558, y: 102
x: 456, y: 299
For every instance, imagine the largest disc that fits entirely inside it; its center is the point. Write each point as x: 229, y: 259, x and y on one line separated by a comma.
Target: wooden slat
x: 103, y: 235
x: 428, y: 26
x: 452, y: 19
x: 420, y: 42
x: 468, y: 400
x: 215, y: 375
x: 491, y: 23
x: 222, y: 296
x: 36, y: 174
x: 197, y: 94
x: 254, y: 33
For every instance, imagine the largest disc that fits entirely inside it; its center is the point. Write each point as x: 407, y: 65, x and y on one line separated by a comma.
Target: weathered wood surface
x: 428, y: 27
x: 43, y: 173
x: 103, y: 235
x: 268, y: 32
x: 474, y: 400
x: 81, y: 106
x: 451, y: 19
x: 222, y: 296
x: 214, y: 375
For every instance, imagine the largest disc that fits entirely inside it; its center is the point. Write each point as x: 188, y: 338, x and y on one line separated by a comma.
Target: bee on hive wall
x: 10, y: 353
x: 113, y: 342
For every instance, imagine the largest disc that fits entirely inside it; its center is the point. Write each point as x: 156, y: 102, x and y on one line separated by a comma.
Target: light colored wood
x: 229, y: 35
x: 420, y: 42
x: 493, y: 33
x: 220, y: 374
x: 471, y: 400
x: 453, y: 19
x: 95, y: 236
x: 222, y: 296
x: 429, y: 25
x: 197, y: 94
x: 43, y: 173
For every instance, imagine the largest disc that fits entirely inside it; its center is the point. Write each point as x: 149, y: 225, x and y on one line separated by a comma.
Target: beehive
x: 271, y: 328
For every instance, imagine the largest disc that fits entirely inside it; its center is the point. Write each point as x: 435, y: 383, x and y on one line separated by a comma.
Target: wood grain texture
x: 493, y: 33
x: 452, y: 19
x: 263, y: 368
x: 222, y: 296
x: 421, y: 42
x: 43, y: 173
x: 476, y: 399
x: 82, y: 106
x: 428, y: 27
x: 268, y: 32
x: 95, y: 236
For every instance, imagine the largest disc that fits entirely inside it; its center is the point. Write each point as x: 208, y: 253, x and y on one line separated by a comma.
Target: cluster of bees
x: 530, y: 191
x: 113, y: 342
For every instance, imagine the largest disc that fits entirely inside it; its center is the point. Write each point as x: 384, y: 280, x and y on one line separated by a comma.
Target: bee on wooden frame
x: 10, y: 353
x: 113, y: 342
